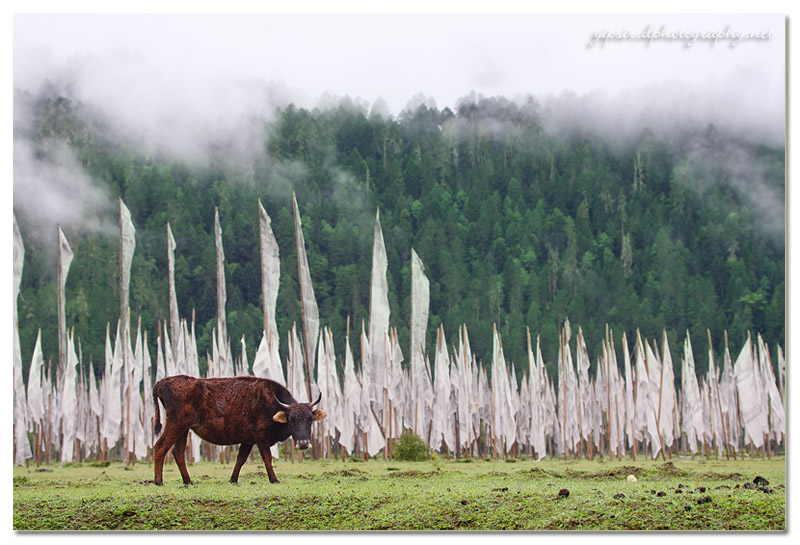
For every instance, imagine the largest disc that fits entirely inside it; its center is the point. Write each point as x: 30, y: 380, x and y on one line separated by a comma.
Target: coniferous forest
x: 518, y: 224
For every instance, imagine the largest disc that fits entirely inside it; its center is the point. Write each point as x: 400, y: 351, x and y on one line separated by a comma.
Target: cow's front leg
x: 267, y: 456
x: 244, y: 452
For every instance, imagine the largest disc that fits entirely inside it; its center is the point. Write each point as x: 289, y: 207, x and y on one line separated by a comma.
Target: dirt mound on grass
x: 622, y: 472
x: 537, y: 472
x: 669, y: 469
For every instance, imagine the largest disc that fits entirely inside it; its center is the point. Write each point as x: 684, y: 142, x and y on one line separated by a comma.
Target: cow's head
x: 299, y: 417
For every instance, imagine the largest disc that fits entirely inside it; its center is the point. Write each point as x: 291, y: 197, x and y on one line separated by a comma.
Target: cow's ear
x: 318, y: 414
x: 280, y: 416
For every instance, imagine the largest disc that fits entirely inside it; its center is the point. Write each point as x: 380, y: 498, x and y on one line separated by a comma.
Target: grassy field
x: 474, y: 494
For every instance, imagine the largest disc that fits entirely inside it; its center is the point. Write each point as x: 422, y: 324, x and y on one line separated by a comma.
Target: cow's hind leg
x: 160, y: 450
x: 244, y: 452
x: 263, y: 447
x: 179, y: 452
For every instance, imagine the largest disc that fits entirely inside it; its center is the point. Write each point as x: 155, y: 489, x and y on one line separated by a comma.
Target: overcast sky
x: 398, y: 56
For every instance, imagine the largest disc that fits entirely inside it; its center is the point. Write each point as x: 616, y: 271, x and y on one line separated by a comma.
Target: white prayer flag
x: 270, y: 273
x: 378, y: 317
x: 309, y: 302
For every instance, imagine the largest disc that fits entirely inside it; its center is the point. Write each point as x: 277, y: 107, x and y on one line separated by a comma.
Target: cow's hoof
x: 187, y: 485
x: 234, y: 482
x: 158, y: 484
x: 276, y: 481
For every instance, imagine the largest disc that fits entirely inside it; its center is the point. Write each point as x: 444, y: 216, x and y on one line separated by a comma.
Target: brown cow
x: 229, y: 411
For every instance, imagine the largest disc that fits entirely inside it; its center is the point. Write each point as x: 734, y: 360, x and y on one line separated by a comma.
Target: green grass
x: 473, y: 494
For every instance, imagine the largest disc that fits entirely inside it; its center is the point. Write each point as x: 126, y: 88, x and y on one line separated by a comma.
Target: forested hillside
x: 517, y: 225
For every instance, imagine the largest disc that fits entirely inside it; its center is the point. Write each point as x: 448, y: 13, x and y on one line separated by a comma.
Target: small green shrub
x: 410, y: 447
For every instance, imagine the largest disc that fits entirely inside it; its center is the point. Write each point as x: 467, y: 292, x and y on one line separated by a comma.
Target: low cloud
x: 182, y: 116
x: 52, y: 188
x: 674, y: 107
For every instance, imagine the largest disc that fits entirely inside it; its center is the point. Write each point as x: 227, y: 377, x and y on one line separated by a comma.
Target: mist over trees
x: 517, y: 224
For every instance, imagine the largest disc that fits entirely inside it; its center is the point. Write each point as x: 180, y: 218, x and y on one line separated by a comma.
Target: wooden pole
x: 267, y: 331
x: 728, y: 422
x: 411, y: 329
x: 494, y: 417
x: 38, y: 442
x: 61, y: 319
x: 387, y: 414
x: 616, y: 423
x: 357, y: 441
x: 81, y: 389
x: 127, y: 400
x: 606, y: 349
x: 716, y: 389
x: 620, y: 433
x: 361, y: 342
x: 634, y: 445
x: 391, y: 429
x: 564, y: 389
x: 579, y: 409
x: 62, y: 348
x: 530, y: 374
x: 48, y: 428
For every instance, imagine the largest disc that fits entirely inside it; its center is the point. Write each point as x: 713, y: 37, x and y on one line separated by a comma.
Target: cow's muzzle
x: 303, y: 444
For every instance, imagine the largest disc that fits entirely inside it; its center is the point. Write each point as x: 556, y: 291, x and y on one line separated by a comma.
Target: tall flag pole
x: 68, y: 406
x: 309, y: 303
x: 351, y: 398
x: 112, y: 410
x: 225, y: 368
x: 64, y: 363
x: 174, y: 316
x: 378, y: 318
x: 35, y: 393
x: 667, y: 396
x: 692, y: 409
x: 630, y: 406
x: 441, y: 391
x: 270, y: 274
x: 420, y: 297
x: 730, y: 411
x: 127, y: 243
x: 64, y: 261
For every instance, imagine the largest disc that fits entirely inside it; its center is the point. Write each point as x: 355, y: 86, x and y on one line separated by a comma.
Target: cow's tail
x: 157, y: 417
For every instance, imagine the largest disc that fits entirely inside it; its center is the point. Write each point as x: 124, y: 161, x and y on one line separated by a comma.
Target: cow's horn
x: 319, y: 398
x: 281, y: 403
